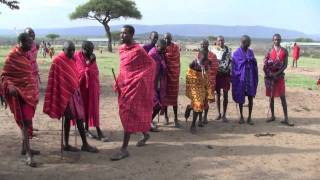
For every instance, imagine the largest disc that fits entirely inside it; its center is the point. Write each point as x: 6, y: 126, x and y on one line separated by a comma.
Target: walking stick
x: 62, y: 122
x: 115, y: 80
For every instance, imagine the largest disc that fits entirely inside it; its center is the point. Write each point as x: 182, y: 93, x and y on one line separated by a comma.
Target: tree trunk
x: 107, y: 28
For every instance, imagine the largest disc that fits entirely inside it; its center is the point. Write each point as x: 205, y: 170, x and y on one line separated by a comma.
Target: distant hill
x: 195, y: 30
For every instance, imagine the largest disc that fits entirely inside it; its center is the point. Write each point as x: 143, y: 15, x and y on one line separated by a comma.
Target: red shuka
x: 172, y: 58
x: 17, y: 72
x: 136, y: 88
x: 278, y: 84
x: 62, y: 84
x: 295, y: 52
x: 89, y: 87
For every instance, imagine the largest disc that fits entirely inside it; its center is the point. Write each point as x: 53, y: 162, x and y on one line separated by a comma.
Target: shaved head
x: 30, y: 31
x: 245, y: 41
x: 168, y: 38
x: 69, y: 49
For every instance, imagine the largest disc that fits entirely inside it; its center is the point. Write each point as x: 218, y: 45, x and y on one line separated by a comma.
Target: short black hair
x: 130, y: 28
x: 246, y: 37
x: 23, y: 37
x: 277, y: 34
x: 86, y: 44
x: 162, y: 42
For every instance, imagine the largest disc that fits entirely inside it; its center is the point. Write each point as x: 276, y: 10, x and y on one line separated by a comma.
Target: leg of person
x: 218, y: 104
x: 285, y: 111
x: 123, y: 153
x: 187, y: 112
x: 85, y: 144
x: 176, y: 121
x: 144, y: 140
x: 250, y: 99
x: 101, y: 136
x: 200, y: 123
x: 272, y: 118
x: 66, y: 129
x: 88, y: 132
x: 225, y: 105
x: 241, y: 121
x: 205, y: 117
x: 154, y: 127
x: 292, y: 63
x: 296, y: 63
x: 193, y: 128
x: 26, y: 143
x: 166, y: 115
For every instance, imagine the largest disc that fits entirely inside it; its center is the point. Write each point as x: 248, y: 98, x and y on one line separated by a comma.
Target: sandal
x: 70, y: 148
x: 143, y: 141
x: 119, y: 155
x: 287, y: 123
x: 271, y: 119
x: 30, y: 162
x: 89, y: 148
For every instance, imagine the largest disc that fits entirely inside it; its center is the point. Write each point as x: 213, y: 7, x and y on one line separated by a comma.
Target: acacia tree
x: 10, y: 4
x: 52, y: 36
x: 104, y: 11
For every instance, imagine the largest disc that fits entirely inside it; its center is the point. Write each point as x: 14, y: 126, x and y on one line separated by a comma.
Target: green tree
x: 104, y: 11
x: 11, y: 4
x: 303, y: 40
x: 211, y: 38
x: 115, y: 36
x: 52, y: 36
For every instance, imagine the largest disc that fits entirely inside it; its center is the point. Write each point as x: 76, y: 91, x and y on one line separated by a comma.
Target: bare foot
x: 241, y: 121
x: 218, y: 117
x: 224, y: 119
x: 271, y: 119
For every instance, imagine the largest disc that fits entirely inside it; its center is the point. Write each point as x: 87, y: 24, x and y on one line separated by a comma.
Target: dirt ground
x: 218, y: 151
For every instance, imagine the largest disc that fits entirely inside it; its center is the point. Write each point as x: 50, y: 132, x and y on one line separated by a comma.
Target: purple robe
x: 148, y: 47
x: 244, y: 75
x: 160, y: 82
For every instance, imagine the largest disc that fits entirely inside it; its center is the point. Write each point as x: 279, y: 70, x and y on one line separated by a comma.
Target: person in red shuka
x: 20, y: 91
x: 295, y: 54
x: 63, y: 96
x: 135, y: 87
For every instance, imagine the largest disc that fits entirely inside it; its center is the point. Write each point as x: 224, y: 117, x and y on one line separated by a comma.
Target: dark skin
x: 31, y: 33
x: 220, y: 43
x: 25, y: 46
x: 245, y: 44
x: 203, y: 59
x: 69, y: 49
x: 205, y: 47
x: 161, y: 48
x: 154, y: 36
x: 168, y: 39
x: 276, y: 42
x: 87, y: 51
x: 126, y: 37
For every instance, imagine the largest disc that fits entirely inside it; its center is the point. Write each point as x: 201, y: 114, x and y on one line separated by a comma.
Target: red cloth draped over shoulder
x: 17, y: 71
x: 62, y: 84
x: 278, y: 88
x: 172, y: 58
x: 213, y: 69
x: 136, y: 88
x: 296, y: 52
x: 89, y: 87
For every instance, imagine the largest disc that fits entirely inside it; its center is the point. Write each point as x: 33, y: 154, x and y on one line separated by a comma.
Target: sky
x: 300, y: 15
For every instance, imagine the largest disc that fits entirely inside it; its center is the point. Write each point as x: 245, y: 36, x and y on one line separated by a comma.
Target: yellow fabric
x: 198, y: 89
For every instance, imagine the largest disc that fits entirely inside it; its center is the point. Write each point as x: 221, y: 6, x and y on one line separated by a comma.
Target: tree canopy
x: 104, y: 11
x: 10, y: 4
x: 52, y: 36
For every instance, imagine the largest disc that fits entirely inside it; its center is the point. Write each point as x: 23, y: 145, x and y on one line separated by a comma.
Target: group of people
x: 147, y: 84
